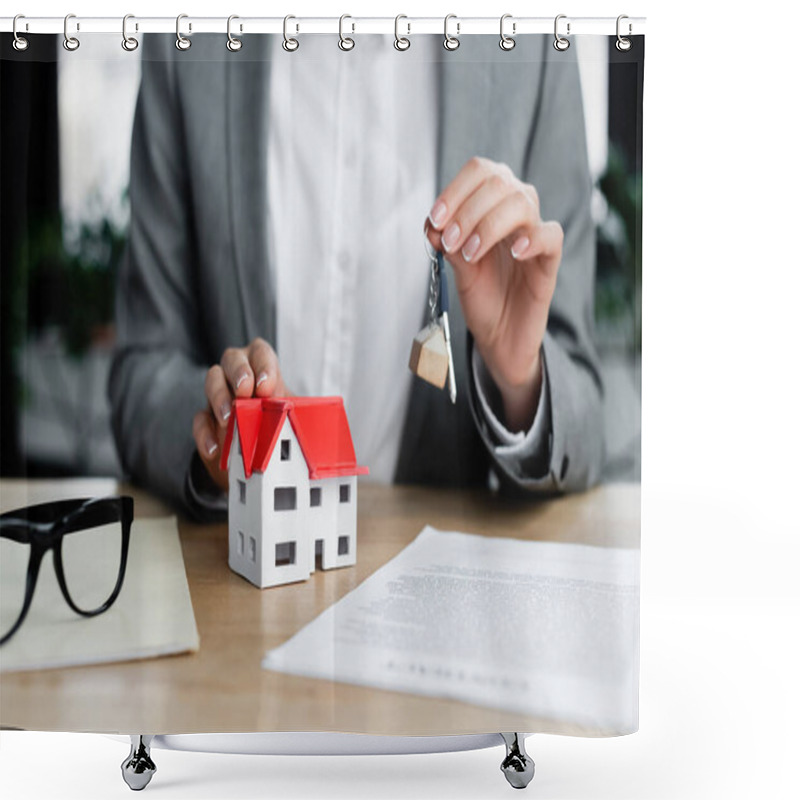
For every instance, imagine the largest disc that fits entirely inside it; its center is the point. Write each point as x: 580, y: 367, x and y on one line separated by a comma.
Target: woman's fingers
x: 484, y: 204
x: 238, y: 372
x: 218, y: 394
x: 546, y: 240
x: 469, y: 177
x: 243, y: 372
x: 205, y: 435
x: 208, y: 438
x: 515, y: 213
x: 457, y: 234
x: 264, y: 364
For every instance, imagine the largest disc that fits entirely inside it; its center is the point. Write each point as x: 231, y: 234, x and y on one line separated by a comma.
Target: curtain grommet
x: 70, y: 43
x: 449, y: 42
x: 20, y: 43
x: 346, y: 43
x: 129, y: 43
x: 233, y: 44
x: 289, y: 44
x: 561, y: 43
x: 181, y: 42
x: 401, y: 43
x: 623, y: 44
x: 507, y: 42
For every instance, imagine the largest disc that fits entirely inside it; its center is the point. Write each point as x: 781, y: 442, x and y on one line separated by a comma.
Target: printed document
x: 541, y: 628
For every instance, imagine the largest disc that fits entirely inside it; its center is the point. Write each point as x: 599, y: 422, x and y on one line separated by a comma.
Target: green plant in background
x: 70, y: 287
x: 618, y: 298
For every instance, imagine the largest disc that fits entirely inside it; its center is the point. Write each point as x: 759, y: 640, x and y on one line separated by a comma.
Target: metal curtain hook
x: 451, y: 42
x: 507, y: 42
x: 560, y: 42
x: 290, y: 44
x: 129, y: 43
x: 181, y: 42
x: 623, y: 44
x: 345, y: 42
x: 401, y: 42
x: 233, y: 44
x: 70, y: 43
x: 20, y: 43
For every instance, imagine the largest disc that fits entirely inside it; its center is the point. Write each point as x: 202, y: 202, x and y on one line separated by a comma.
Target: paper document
x: 152, y: 616
x: 546, y: 629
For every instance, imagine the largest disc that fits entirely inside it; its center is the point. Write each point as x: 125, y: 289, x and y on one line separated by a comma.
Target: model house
x: 292, y: 488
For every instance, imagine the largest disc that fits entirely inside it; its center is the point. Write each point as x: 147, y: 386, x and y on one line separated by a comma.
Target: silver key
x: 451, y: 372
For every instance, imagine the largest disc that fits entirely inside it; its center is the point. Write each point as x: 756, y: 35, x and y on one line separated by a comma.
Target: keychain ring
x: 429, y: 251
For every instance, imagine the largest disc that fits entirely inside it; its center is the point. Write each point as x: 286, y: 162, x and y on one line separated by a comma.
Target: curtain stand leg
x: 517, y: 766
x: 138, y: 768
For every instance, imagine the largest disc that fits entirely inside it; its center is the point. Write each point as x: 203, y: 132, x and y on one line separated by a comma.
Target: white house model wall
x: 280, y: 520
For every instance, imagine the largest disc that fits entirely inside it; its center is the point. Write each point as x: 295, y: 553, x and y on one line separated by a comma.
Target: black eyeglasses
x: 89, y: 539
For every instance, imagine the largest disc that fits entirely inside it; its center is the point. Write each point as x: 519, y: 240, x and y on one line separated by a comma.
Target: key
x: 444, y: 305
x: 432, y: 352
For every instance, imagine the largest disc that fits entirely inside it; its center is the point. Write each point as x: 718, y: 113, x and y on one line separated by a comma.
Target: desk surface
x: 222, y: 688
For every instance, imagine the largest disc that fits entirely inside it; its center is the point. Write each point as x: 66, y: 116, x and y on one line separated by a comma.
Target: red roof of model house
x: 319, y: 423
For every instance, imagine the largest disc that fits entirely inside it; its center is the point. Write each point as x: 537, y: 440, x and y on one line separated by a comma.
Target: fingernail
x: 211, y: 447
x: 262, y: 376
x: 241, y: 378
x: 450, y: 236
x: 438, y: 213
x: 520, y: 246
x: 225, y: 411
x: 471, y: 247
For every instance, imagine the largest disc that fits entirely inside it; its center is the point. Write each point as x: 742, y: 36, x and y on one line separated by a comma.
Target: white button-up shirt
x: 351, y: 175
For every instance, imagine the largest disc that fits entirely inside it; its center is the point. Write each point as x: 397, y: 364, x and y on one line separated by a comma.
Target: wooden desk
x: 222, y: 688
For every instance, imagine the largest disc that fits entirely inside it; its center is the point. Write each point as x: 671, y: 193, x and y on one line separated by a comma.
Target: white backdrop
x: 721, y: 537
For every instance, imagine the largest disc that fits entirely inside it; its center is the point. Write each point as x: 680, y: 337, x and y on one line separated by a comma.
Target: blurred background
x: 65, y: 132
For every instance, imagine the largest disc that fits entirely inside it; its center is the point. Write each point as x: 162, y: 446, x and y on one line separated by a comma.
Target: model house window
x: 344, y: 545
x: 242, y: 492
x: 251, y: 550
x: 285, y: 498
x: 285, y: 553
x: 316, y: 496
x: 240, y: 543
x: 286, y: 449
x: 344, y: 493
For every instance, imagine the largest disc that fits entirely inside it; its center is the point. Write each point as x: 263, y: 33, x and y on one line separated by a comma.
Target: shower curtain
x: 366, y: 317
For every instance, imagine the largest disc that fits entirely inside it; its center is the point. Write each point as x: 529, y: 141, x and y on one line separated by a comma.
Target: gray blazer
x: 198, y: 249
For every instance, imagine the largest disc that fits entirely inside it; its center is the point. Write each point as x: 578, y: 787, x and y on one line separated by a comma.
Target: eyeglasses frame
x: 48, y: 533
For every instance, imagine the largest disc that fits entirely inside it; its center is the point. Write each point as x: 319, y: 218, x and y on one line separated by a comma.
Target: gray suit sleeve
x: 157, y: 377
x: 557, y: 165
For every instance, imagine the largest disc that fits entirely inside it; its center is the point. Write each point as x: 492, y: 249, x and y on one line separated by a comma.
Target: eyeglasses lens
x: 91, y: 560
x: 13, y: 569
